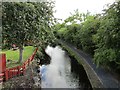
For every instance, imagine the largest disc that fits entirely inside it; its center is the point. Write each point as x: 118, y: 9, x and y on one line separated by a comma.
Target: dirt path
x: 30, y: 80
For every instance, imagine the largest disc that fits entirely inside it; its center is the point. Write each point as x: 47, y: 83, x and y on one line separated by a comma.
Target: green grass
x: 13, y: 56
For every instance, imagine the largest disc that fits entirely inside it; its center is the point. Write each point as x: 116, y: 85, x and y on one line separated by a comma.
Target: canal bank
x: 98, y: 77
x: 94, y: 80
x: 90, y: 76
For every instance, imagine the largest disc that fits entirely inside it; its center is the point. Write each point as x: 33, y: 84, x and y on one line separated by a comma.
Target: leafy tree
x: 88, y: 28
x: 70, y: 29
x: 107, y: 38
x: 98, y: 35
x: 26, y: 22
x: 76, y: 17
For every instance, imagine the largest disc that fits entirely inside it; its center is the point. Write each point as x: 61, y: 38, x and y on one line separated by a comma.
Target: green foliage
x: 107, y: 38
x: 80, y: 33
x: 27, y: 23
x: 104, y: 56
x: 62, y: 31
x: 14, y: 55
x: 88, y: 29
x: 98, y: 35
x: 24, y: 22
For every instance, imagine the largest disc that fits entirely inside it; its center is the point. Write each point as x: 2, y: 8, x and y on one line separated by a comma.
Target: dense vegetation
x: 27, y: 23
x: 31, y: 23
x: 98, y: 35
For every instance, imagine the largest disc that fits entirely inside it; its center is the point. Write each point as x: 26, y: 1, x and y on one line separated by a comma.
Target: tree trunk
x: 20, y: 54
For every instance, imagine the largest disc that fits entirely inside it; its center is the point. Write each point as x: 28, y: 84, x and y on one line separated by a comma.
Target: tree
x: 107, y: 38
x: 24, y: 22
x: 88, y: 28
x: 98, y: 35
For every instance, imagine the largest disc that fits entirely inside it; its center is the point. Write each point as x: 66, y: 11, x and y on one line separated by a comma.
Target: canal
x: 63, y: 71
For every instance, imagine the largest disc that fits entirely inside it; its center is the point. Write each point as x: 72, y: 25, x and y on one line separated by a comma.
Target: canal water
x: 63, y: 71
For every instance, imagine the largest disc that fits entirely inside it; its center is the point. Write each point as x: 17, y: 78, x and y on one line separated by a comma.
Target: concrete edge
x: 92, y: 76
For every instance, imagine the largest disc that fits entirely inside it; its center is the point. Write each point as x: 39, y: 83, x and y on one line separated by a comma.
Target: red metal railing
x: 16, y: 71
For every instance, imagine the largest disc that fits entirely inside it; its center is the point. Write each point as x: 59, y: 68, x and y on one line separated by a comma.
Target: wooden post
x: 24, y: 69
x: 33, y: 57
x: 28, y: 62
x: 14, y: 72
x: 2, y: 62
x: 6, y: 75
x: 18, y: 70
x: 10, y: 73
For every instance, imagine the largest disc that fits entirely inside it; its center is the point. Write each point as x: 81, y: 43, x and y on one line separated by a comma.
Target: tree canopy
x: 97, y: 35
x: 27, y: 22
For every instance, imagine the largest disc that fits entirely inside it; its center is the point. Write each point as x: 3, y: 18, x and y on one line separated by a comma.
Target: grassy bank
x: 13, y: 56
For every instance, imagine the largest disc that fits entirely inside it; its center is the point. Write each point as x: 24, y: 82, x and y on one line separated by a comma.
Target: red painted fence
x: 2, y: 63
x: 6, y: 74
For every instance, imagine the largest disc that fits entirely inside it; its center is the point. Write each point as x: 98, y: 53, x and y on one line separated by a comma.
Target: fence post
x: 18, y: 70
x: 2, y: 62
x: 33, y: 57
x: 7, y: 72
x: 28, y: 62
x: 6, y: 75
x: 24, y: 68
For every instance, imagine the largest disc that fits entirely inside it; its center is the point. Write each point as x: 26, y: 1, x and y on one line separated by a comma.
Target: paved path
x: 107, y: 80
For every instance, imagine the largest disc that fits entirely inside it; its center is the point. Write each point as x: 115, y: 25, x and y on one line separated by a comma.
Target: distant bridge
x: 98, y: 77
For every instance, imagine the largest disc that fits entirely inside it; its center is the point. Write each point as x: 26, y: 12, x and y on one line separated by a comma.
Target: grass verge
x: 13, y: 56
